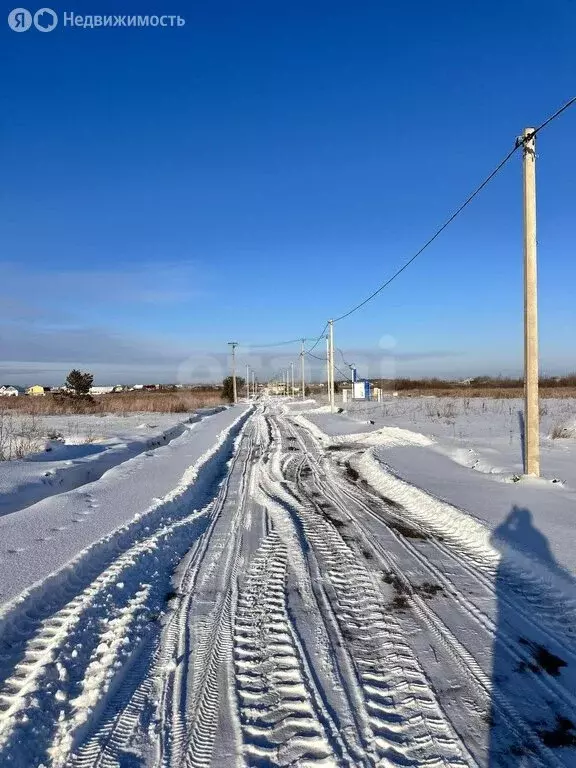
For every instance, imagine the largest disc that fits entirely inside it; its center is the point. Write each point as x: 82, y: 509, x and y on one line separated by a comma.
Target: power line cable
x: 346, y: 375
x: 318, y: 339
x: 431, y: 240
x: 343, y: 358
x: 464, y: 205
x: 556, y: 114
x: 315, y: 339
x: 519, y: 142
x: 277, y: 344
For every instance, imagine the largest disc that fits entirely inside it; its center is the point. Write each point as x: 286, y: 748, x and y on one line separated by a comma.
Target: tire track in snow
x: 165, y: 670
x: 403, y: 723
x: 279, y: 719
x: 547, y: 685
x: 436, y: 627
x: 204, y: 698
x: 146, y: 551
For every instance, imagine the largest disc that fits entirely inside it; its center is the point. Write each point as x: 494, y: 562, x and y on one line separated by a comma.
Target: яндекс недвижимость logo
x: 20, y: 20
x: 45, y: 20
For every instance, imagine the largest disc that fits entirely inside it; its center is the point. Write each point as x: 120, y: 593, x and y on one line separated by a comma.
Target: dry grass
x: 504, y: 393
x: 182, y: 401
x: 480, y: 382
x: 19, y: 436
x: 567, y: 430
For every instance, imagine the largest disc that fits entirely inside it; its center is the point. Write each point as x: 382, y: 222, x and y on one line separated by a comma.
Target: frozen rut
x: 296, y: 618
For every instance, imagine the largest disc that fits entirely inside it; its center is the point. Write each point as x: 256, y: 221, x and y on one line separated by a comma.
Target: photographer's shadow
x: 530, y: 724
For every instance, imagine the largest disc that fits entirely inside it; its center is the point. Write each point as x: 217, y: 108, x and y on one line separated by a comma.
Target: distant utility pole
x: 302, y: 368
x: 247, y: 382
x: 531, y: 399
x: 253, y: 384
x: 292, y: 377
x: 331, y: 337
x: 234, y: 344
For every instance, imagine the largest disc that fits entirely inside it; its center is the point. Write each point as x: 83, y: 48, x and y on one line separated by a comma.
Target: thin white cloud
x: 161, y: 282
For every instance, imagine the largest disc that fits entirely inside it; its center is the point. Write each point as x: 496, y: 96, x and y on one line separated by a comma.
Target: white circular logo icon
x: 20, y: 20
x: 45, y: 20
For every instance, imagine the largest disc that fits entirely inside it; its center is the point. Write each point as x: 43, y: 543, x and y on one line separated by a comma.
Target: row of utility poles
x: 288, y: 375
x: 288, y: 380
x: 531, y: 393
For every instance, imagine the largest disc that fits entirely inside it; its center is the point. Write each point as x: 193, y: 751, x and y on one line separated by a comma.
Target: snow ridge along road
x: 64, y: 467
x: 283, y: 611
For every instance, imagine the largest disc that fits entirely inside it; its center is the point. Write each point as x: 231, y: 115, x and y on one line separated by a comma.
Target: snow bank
x: 89, y: 447
x: 336, y: 429
x: 471, y: 510
x: 484, y: 434
x: 72, y: 534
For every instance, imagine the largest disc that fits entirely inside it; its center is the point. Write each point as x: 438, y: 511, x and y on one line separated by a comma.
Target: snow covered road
x: 286, y: 609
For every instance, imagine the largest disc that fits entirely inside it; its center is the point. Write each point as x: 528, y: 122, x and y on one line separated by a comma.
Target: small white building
x: 375, y: 393
x: 101, y: 390
x: 8, y: 391
x: 277, y: 388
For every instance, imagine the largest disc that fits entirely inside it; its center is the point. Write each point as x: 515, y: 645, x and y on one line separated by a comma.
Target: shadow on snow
x: 533, y: 678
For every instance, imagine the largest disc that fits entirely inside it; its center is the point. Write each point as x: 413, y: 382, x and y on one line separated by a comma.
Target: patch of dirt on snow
x: 543, y: 660
x: 351, y: 472
x: 406, y: 530
x: 562, y: 735
x: 347, y: 447
x: 427, y: 590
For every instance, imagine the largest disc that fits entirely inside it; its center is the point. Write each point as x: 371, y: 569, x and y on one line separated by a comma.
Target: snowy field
x: 482, y: 433
x: 64, y: 452
x: 278, y: 586
x: 468, y: 452
x: 22, y: 434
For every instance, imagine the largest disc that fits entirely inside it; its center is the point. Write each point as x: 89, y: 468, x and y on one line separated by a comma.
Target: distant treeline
x: 478, y: 382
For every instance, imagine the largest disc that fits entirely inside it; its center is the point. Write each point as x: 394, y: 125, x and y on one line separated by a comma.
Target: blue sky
x: 267, y: 165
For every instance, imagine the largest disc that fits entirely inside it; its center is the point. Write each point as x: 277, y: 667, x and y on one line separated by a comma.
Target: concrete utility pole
x: 234, y: 344
x: 531, y: 399
x: 247, y: 382
x: 328, y: 389
x: 253, y: 384
x: 302, y: 368
x: 292, y: 377
x: 331, y: 337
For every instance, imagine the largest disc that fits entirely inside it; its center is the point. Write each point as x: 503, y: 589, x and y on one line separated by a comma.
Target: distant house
x: 101, y: 390
x: 137, y: 386
x: 36, y: 390
x: 9, y: 391
x: 151, y: 387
